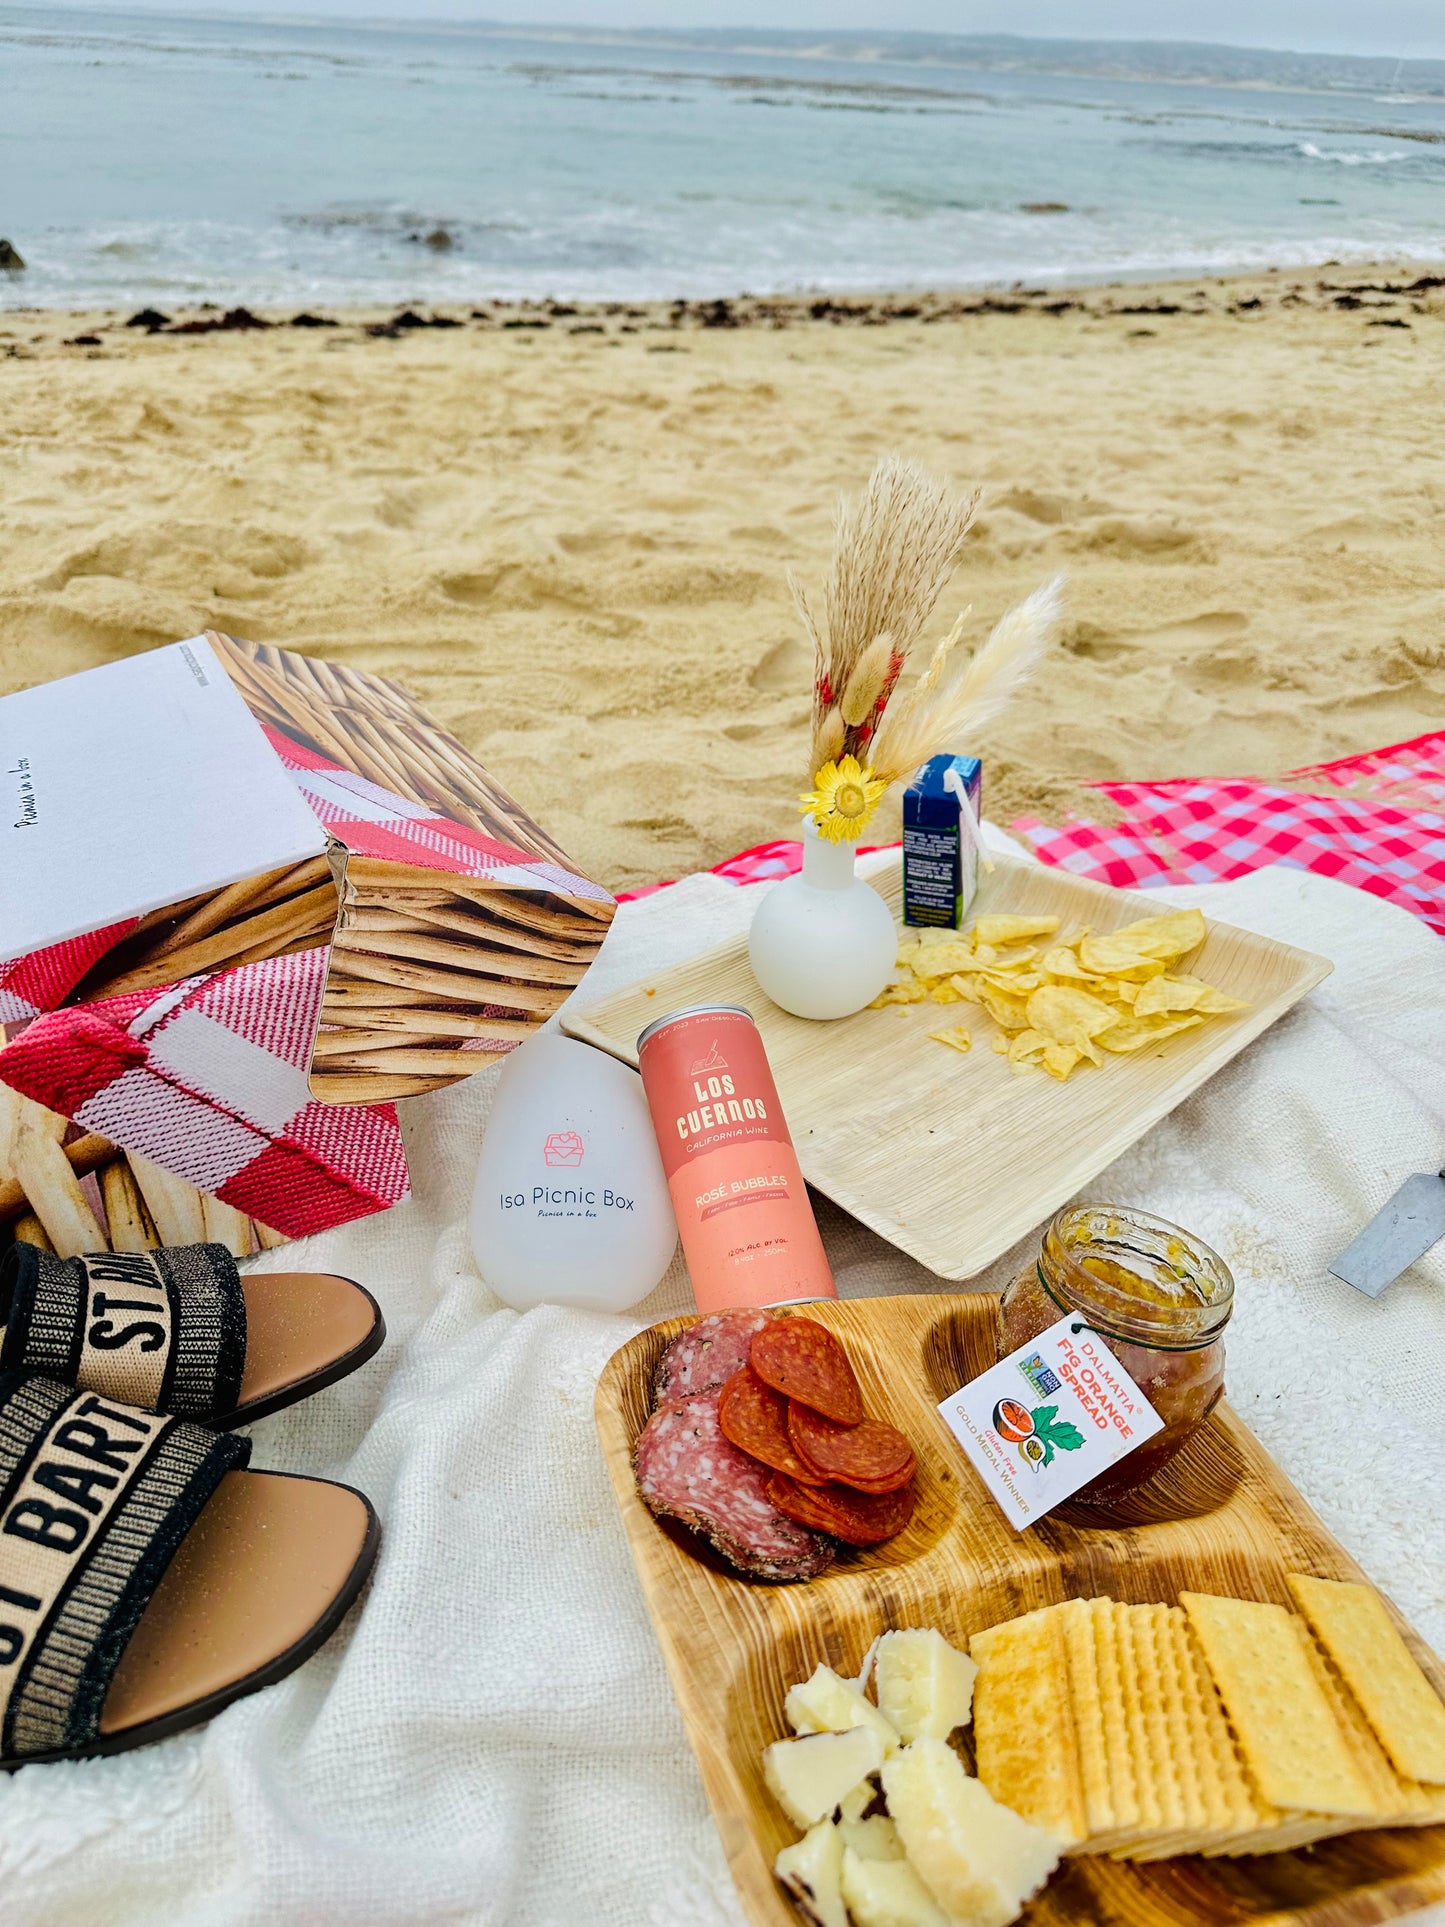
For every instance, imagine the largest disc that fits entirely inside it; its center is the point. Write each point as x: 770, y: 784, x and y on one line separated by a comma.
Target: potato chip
x: 1116, y: 957
x: 910, y: 991
x: 941, y: 960
x: 1166, y: 938
x: 956, y: 1037
x: 1059, y: 1059
x: 1009, y: 1013
x: 1064, y: 1012
x: 1138, y: 1033
x: 1063, y: 1004
x: 1025, y: 1045
x: 1061, y: 961
x: 1184, y: 993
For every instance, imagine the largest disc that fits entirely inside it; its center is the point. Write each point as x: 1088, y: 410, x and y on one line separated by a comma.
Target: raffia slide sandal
x: 179, y: 1330
x: 146, y: 1581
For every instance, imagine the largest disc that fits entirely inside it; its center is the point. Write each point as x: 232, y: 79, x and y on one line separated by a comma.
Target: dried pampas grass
x: 892, y: 552
x: 957, y: 696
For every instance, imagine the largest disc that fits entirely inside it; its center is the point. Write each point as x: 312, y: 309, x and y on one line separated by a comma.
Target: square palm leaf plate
x: 1221, y: 1517
x: 953, y: 1157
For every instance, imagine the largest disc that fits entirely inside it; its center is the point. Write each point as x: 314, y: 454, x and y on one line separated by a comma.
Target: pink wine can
x: 748, y: 1230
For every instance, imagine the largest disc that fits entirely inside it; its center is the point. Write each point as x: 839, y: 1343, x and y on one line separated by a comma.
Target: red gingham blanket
x: 1376, y: 821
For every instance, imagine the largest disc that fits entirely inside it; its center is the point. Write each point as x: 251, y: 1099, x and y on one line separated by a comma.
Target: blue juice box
x: 940, y: 858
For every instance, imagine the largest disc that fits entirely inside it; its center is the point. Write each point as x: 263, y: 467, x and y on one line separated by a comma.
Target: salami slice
x: 687, y: 1470
x: 857, y: 1518
x: 803, y: 1360
x: 755, y: 1418
x: 869, y: 1456
x: 706, y: 1355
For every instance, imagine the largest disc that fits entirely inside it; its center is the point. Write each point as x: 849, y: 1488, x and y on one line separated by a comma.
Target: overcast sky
x: 1398, y: 28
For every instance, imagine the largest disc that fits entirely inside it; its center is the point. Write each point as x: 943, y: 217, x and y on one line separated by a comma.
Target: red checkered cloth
x: 208, y: 1078
x: 1384, y: 832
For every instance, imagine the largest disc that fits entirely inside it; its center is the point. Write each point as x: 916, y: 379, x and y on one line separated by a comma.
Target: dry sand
x: 568, y: 530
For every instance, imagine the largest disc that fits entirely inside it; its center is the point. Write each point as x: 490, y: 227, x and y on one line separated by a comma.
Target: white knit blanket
x: 491, y: 1738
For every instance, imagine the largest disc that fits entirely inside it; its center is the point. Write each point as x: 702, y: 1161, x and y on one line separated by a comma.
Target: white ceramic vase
x: 823, y: 943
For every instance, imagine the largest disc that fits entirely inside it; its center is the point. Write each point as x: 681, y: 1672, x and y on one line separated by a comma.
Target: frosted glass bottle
x: 823, y: 944
x: 571, y: 1206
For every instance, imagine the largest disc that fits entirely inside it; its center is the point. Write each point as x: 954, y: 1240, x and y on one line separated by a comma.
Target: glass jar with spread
x: 1159, y: 1298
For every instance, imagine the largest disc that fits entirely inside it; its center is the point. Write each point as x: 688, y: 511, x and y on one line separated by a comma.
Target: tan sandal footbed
x: 305, y: 1330
x: 261, y: 1580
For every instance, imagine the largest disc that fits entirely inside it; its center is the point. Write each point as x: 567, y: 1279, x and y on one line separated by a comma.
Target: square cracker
x: 1023, y: 1724
x: 1402, y: 1802
x: 1123, y: 1786
x: 1291, y: 1742
x: 1380, y: 1670
x: 1163, y: 1756
x: 1077, y: 1620
x: 1146, y: 1779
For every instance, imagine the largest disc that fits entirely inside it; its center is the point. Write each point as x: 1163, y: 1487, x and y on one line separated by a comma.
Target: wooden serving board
x: 954, y: 1157
x: 733, y: 1648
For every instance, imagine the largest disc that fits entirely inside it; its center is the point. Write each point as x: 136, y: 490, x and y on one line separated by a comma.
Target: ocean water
x: 167, y: 158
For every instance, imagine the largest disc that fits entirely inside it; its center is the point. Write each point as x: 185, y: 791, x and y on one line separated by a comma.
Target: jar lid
x: 1136, y: 1277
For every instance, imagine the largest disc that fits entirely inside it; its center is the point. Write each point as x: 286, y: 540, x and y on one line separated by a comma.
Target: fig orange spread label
x: 1048, y: 1418
x: 742, y: 1207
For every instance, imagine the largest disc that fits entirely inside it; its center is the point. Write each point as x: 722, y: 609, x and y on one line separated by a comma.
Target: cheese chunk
x: 809, y: 1777
x: 924, y: 1685
x: 810, y: 1870
x: 978, y: 1859
x: 829, y: 1704
x: 872, y: 1839
x: 887, y: 1893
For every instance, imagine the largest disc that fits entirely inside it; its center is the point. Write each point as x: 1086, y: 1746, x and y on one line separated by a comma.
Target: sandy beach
x: 568, y: 529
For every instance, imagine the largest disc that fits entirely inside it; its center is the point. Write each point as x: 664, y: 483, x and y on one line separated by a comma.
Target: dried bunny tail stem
x: 955, y: 698
x: 893, y: 548
x: 871, y: 675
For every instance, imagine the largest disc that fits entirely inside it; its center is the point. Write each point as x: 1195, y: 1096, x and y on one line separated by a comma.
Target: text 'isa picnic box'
x: 940, y: 856
x: 249, y: 899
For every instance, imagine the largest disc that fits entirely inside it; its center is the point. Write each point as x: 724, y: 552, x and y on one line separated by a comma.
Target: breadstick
x: 418, y: 1062
x: 174, y: 1205
x: 267, y: 1238
x: 459, y: 920
x: 522, y: 965
x: 374, y: 1087
x: 452, y: 986
x: 261, y: 935
x: 30, y: 1231
x: 126, y: 1217
x: 289, y: 883
x: 30, y: 1147
x: 423, y: 1022
x: 224, y: 905
x: 225, y: 1225
x: 85, y: 1154
x: 343, y: 999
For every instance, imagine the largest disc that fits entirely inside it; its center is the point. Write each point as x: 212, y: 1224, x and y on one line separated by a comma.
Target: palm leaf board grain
x: 950, y: 1156
x: 1222, y: 1518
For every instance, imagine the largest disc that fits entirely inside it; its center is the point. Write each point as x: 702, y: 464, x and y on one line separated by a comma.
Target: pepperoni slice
x: 868, y: 1456
x: 754, y: 1418
x: 857, y: 1518
x: 804, y: 1360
